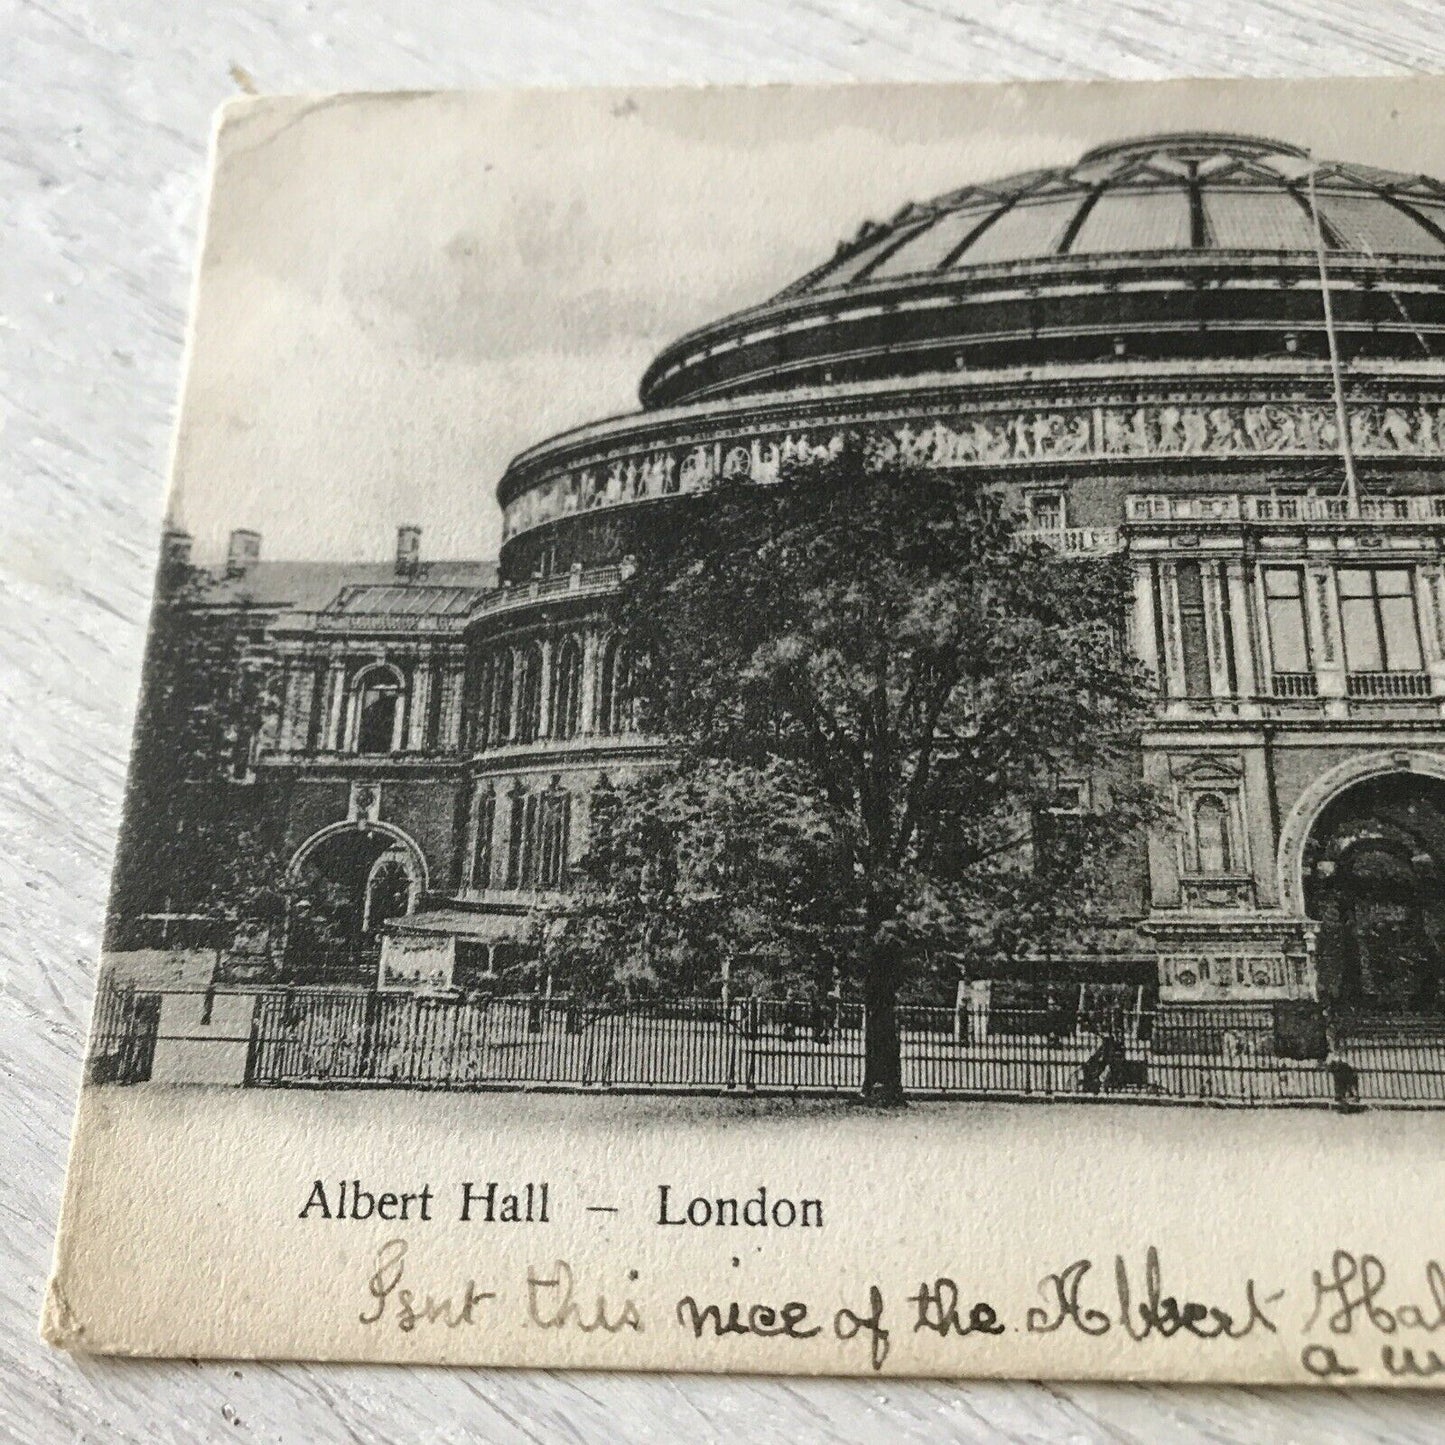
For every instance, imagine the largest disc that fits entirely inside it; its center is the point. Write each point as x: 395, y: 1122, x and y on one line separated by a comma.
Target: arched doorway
x: 346, y: 883
x: 1374, y: 879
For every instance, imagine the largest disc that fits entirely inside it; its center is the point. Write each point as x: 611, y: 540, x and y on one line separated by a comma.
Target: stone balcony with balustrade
x: 1285, y: 509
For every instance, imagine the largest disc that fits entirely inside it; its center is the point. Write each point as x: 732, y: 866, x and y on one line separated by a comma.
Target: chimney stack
x: 242, y: 551
x: 408, y: 551
x: 175, y: 547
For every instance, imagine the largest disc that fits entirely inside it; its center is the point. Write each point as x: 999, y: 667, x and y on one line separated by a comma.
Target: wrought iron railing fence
x: 1099, y: 1045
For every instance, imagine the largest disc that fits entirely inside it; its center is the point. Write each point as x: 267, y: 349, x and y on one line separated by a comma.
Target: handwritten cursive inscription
x: 938, y: 1310
x: 1406, y: 1364
x: 848, y: 1324
x: 407, y: 1307
x: 1353, y: 1290
x: 550, y: 1304
x: 1157, y: 1313
x: 1324, y: 1364
x: 788, y: 1320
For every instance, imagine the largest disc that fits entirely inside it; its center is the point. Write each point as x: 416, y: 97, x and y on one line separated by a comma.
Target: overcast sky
x: 398, y: 293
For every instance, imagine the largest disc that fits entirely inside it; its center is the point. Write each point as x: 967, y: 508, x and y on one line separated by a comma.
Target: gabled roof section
x: 349, y: 586
x: 399, y: 599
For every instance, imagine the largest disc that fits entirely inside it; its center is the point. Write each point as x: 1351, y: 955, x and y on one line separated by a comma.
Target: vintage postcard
x: 793, y: 730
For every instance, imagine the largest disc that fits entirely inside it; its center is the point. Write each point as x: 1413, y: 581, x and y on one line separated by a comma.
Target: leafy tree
x: 194, y: 841
x: 874, y: 691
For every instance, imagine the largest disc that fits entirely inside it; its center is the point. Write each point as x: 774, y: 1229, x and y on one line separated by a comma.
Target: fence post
x: 370, y: 1030
x: 253, y: 1048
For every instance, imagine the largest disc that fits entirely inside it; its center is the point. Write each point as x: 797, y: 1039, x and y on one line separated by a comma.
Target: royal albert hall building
x: 1137, y: 349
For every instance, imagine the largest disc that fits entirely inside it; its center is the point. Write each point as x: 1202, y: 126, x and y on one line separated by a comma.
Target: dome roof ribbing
x: 1192, y: 246
x: 1167, y: 193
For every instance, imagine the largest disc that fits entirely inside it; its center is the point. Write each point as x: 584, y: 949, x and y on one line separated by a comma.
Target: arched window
x: 554, y: 825
x: 1211, y: 835
x: 567, y: 689
x: 476, y: 703
x: 616, y: 710
x: 376, y: 703
x: 539, y: 835
x: 528, y: 721
x: 499, y: 699
x: 388, y: 892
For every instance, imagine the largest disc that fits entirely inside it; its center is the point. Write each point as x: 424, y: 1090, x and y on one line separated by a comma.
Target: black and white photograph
x: 904, y: 624
x: 1005, y: 661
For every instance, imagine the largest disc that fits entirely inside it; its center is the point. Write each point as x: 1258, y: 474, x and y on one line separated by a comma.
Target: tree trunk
x: 882, y: 1054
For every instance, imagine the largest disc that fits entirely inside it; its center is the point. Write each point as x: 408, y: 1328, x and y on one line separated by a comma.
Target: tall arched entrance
x: 1374, y: 879
x: 346, y: 883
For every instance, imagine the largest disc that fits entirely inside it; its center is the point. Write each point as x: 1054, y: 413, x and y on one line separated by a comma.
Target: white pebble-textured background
x: 105, y: 107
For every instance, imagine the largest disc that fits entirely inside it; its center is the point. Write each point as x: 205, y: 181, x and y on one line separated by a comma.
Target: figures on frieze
x: 1169, y: 428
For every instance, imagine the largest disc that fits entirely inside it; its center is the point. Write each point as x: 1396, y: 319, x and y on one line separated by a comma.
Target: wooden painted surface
x: 104, y: 110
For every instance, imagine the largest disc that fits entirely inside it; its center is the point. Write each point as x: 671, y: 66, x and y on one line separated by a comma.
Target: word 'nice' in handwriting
x: 411, y: 1308
x: 350, y: 1201
x: 756, y: 1211
x: 789, y: 1320
x: 550, y: 1304
x: 1354, y: 1292
x: 1155, y: 1314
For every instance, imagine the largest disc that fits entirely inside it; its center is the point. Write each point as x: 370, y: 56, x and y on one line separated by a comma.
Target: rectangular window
x: 1377, y: 614
x: 1284, y: 601
x: 1193, y: 632
x: 1071, y: 796
x: 1046, y: 511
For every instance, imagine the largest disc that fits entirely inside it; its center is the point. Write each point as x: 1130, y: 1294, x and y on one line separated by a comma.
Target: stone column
x: 286, y: 705
x: 1174, y: 684
x: 1322, y: 607
x: 544, y: 699
x: 450, y: 681
x: 469, y: 857
x: 331, y: 739
x: 1209, y: 572
x: 419, y: 703
x: 514, y: 712
x: 1162, y: 844
x: 1145, y: 636
x: 1430, y: 599
x: 1260, y: 844
x: 588, y: 702
x: 1246, y: 655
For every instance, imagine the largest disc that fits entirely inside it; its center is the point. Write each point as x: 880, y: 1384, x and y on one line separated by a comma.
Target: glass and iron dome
x: 1168, y: 193
x: 1187, y: 246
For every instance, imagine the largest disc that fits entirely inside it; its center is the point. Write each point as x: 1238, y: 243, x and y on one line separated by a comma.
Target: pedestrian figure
x: 1101, y: 1067
x: 1346, y: 1080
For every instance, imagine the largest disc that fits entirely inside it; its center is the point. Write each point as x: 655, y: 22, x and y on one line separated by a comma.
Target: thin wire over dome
x: 1193, y: 191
